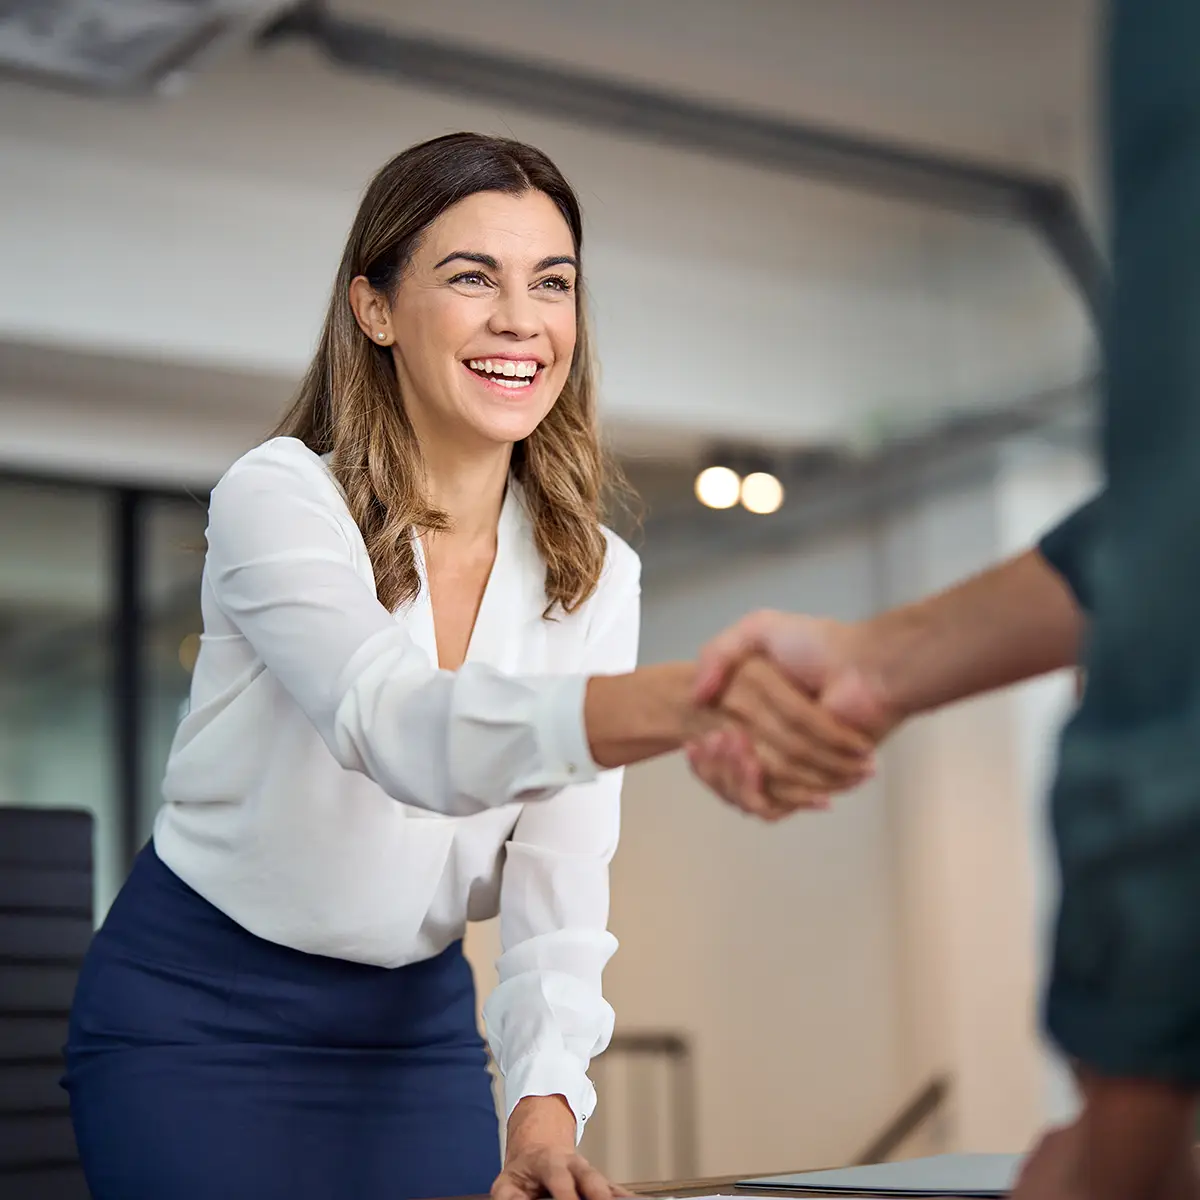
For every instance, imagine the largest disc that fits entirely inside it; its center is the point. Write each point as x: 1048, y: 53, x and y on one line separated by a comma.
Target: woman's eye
x: 556, y: 283
x: 475, y: 277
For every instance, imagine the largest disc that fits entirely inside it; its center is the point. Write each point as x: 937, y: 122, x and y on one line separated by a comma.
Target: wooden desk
x: 722, y: 1186
x: 727, y: 1186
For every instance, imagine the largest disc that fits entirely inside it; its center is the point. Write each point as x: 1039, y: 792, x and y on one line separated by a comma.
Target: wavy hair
x: 350, y: 406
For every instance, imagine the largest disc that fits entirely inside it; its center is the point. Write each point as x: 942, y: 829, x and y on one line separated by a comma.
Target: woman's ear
x: 371, y: 311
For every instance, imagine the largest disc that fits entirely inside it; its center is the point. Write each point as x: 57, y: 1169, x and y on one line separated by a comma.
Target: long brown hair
x: 350, y: 406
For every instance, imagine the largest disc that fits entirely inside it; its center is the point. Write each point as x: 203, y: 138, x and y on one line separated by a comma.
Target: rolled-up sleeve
x: 282, y: 569
x: 1065, y: 548
x: 548, y: 1018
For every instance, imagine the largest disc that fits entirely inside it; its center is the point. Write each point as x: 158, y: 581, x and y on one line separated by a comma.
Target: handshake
x: 783, y: 711
x: 787, y: 712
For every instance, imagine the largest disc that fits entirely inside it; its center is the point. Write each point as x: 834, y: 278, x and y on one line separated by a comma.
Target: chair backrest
x: 46, y: 918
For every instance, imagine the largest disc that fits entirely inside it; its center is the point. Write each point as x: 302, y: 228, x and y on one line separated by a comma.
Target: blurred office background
x: 849, y: 245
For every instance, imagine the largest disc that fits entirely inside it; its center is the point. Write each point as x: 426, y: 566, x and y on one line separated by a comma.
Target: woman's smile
x: 505, y: 376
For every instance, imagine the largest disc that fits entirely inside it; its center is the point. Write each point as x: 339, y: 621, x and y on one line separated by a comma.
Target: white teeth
x: 505, y: 367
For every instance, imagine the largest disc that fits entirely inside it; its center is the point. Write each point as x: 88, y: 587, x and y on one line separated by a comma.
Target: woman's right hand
x: 764, y: 742
x: 770, y: 748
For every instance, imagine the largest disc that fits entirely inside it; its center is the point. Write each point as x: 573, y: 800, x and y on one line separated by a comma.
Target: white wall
x: 967, y: 789
x: 959, y: 819
x: 772, y: 947
x: 132, y: 439
x: 1032, y: 485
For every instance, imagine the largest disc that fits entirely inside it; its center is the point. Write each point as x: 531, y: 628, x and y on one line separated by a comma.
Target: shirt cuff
x: 551, y: 1074
x: 561, y: 733
x: 1158, y: 1040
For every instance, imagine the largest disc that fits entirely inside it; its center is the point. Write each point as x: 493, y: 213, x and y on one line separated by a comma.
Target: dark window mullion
x: 127, y: 664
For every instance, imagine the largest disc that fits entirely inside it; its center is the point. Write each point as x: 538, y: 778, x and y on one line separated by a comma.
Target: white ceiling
x: 1010, y: 80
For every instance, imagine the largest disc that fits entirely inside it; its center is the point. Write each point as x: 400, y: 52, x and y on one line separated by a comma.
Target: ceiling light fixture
x: 718, y: 487
x: 121, y: 46
x: 761, y: 493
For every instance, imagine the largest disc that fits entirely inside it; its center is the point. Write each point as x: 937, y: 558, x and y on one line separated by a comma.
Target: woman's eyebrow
x: 484, y: 260
x: 493, y: 264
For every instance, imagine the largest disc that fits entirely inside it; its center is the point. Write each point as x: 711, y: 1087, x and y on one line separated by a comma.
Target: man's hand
x: 541, y: 1160
x: 826, y: 658
x: 1012, y: 622
x: 1057, y: 1170
x: 1133, y: 1141
x: 828, y: 662
x: 770, y: 748
x: 1054, y: 1170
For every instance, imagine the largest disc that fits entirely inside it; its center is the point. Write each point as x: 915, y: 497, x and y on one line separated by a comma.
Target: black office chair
x: 45, y: 927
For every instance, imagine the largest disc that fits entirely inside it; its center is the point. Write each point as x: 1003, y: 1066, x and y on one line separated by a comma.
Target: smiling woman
x: 483, y: 339
x: 418, y: 660
x: 490, y: 259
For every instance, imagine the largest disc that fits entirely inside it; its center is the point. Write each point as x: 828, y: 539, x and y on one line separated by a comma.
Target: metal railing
x: 645, y: 1124
x: 928, y: 1102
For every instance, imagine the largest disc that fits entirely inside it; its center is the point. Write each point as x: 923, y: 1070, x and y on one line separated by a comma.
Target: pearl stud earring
x: 380, y: 336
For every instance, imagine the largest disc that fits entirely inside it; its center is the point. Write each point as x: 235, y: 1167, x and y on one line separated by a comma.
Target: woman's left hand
x: 556, y: 1171
x: 541, y: 1160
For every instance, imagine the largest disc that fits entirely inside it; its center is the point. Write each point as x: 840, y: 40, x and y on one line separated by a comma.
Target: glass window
x: 56, y: 720
x: 172, y: 556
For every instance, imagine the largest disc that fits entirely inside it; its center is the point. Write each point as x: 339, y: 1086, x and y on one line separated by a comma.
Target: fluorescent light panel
x: 118, y: 45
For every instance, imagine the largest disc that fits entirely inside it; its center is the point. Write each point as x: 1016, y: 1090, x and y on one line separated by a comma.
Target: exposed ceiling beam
x: 1042, y: 203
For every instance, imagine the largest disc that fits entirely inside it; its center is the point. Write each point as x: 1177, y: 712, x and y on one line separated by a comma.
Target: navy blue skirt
x: 204, y: 1063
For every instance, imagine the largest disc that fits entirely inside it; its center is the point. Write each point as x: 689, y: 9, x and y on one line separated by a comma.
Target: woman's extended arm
x: 283, y: 571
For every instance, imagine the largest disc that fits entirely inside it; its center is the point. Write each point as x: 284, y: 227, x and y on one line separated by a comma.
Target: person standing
x: 416, y: 679
x: 1124, y: 996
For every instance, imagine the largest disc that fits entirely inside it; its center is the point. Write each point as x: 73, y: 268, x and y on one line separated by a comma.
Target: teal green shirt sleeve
x: 1065, y: 548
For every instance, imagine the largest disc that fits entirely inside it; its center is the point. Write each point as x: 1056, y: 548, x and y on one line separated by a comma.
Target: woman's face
x: 483, y: 323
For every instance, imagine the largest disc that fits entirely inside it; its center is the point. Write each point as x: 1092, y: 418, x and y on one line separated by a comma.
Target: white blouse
x: 332, y: 790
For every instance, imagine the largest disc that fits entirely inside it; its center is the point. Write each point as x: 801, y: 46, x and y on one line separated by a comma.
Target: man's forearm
x: 1137, y: 1141
x: 1013, y: 622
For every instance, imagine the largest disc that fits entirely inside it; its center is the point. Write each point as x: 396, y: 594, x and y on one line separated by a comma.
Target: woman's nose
x: 515, y: 314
